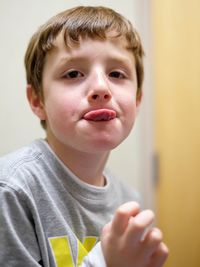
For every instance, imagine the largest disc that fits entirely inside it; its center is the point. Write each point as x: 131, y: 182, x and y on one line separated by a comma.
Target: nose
x: 99, y: 89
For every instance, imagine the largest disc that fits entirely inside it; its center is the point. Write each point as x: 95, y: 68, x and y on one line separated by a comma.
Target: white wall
x: 18, y: 126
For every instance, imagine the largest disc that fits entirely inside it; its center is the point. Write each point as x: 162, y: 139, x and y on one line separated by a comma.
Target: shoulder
x: 19, y: 163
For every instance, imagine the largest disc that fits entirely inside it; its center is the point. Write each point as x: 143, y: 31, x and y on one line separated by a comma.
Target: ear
x: 36, y: 103
x: 139, y: 100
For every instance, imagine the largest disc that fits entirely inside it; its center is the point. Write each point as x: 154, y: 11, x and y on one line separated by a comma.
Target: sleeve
x: 94, y: 258
x: 18, y: 246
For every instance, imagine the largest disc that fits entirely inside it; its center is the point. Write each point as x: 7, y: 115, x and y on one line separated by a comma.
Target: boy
x: 84, y: 82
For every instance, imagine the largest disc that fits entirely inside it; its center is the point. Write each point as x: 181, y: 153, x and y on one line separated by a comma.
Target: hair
x: 75, y: 23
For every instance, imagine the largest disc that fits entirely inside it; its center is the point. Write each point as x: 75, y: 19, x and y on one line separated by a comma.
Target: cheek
x: 129, y: 111
x: 60, y: 110
x: 128, y: 104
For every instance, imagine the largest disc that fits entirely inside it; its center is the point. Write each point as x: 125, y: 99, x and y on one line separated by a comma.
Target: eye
x: 73, y: 74
x: 117, y: 75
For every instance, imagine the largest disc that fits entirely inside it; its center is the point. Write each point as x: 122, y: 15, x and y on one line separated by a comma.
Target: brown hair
x: 86, y: 22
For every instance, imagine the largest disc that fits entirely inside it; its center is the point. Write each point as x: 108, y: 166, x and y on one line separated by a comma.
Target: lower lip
x: 101, y: 115
x: 100, y: 121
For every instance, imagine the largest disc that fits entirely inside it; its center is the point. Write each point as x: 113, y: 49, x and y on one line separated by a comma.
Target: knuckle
x: 135, y: 205
x: 127, y: 207
x: 150, y: 214
x: 106, y: 228
x: 144, y: 219
x: 165, y: 250
x: 138, y: 225
x: 120, y: 212
x: 156, y: 235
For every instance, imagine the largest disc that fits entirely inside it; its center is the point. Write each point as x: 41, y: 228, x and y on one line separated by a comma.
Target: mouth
x: 100, y: 115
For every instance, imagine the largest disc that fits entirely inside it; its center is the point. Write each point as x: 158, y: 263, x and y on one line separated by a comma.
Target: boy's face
x: 89, y: 90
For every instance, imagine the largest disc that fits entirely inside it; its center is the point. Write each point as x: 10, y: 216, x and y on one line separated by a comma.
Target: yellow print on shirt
x: 62, y: 250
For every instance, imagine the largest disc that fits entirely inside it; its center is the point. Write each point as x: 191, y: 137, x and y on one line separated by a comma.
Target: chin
x: 105, y: 145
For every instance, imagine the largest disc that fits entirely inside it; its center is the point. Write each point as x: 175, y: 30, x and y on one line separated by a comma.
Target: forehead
x: 111, y: 48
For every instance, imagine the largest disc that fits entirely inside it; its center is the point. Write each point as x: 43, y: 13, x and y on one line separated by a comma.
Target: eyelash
x: 117, y: 75
x: 74, y: 74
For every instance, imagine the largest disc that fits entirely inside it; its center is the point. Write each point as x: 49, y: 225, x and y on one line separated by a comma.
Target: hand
x: 129, y: 241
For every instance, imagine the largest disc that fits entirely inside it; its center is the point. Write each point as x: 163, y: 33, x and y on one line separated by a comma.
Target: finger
x: 137, y: 226
x: 107, y: 228
x: 152, y: 240
x: 160, y: 256
x: 122, y: 216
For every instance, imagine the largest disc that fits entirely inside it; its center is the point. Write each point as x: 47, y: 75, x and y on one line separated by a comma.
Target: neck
x: 88, y: 167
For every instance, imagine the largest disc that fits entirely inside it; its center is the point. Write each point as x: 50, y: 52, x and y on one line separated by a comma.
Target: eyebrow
x: 70, y: 60
x: 83, y: 59
x: 121, y: 60
x: 126, y: 61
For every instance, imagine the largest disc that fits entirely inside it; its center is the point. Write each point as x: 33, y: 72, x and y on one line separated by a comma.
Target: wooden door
x: 176, y: 64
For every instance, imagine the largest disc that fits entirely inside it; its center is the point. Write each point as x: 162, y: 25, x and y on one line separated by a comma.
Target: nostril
x: 100, y: 96
x: 106, y: 96
x: 95, y: 96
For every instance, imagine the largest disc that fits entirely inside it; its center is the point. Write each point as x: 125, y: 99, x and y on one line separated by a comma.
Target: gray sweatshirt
x: 48, y: 217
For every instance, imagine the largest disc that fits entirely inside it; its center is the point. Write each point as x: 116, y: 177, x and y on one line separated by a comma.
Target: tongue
x: 100, y: 115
